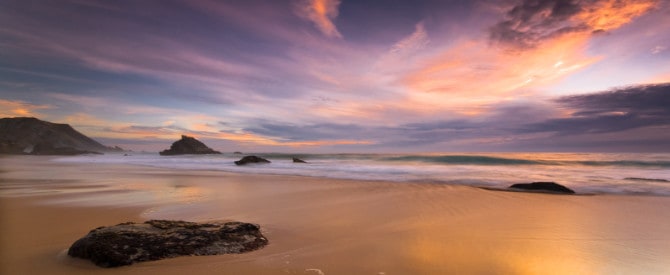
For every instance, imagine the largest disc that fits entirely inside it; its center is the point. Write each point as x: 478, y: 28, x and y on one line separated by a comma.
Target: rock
x: 237, y: 153
x: 20, y: 135
x: 129, y: 243
x: 186, y: 146
x: 251, y: 159
x: 297, y: 160
x: 543, y: 186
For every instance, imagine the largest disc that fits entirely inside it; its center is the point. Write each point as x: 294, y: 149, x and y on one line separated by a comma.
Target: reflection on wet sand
x: 339, y: 226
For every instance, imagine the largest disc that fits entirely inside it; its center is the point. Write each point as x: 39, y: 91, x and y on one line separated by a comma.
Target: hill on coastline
x: 29, y: 135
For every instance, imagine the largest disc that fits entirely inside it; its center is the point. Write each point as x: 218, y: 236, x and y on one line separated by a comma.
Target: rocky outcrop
x: 251, y: 159
x: 543, y: 187
x: 28, y: 135
x: 128, y: 243
x: 297, y: 160
x: 188, y: 146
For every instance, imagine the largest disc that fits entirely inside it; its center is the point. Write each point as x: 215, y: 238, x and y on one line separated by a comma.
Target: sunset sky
x: 344, y: 76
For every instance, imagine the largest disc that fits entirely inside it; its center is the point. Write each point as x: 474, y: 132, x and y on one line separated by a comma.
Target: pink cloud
x: 321, y: 13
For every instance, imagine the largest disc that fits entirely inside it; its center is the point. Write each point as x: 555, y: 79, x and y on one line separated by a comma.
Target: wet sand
x: 326, y: 226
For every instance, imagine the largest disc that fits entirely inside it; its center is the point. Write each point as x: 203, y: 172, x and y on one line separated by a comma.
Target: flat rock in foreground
x: 543, y: 187
x: 128, y: 243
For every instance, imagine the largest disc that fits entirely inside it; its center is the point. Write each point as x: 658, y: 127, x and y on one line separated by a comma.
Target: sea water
x: 608, y: 173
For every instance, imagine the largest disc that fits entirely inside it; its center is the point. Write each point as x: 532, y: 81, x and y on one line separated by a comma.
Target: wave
x: 465, y: 159
x: 585, y: 173
x: 492, y: 160
x: 647, y: 179
x: 639, y: 163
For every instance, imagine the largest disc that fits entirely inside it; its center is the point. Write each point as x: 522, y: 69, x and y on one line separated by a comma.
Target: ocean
x: 586, y: 173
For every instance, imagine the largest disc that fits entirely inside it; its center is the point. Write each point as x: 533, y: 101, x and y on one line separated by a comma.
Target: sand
x: 327, y: 226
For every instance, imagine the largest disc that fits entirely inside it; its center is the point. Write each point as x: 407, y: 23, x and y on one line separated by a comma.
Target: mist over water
x: 583, y: 172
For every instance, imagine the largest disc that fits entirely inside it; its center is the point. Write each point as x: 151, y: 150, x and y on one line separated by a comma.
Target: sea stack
x: 188, y: 146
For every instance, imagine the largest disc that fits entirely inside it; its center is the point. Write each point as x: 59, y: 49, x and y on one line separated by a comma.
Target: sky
x: 344, y: 76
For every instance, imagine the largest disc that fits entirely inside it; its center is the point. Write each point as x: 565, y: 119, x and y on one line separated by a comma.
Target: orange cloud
x: 12, y: 108
x: 321, y: 13
x: 474, y: 75
x: 612, y: 14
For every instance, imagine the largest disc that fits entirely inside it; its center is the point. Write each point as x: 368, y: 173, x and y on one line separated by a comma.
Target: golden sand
x: 326, y: 226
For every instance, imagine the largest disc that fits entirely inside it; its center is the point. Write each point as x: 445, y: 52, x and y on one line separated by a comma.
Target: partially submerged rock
x: 128, y: 243
x: 251, y: 159
x: 297, y: 160
x: 543, y: 186
x: 188, y: 145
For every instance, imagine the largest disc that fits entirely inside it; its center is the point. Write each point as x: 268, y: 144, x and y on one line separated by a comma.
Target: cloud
x: 17, y: 108
x: 321, y: 13
x: 469, y: 76
x: 529, y: 23
x: 658, y: 49
x: 611, y: 111
x: 417, y: 40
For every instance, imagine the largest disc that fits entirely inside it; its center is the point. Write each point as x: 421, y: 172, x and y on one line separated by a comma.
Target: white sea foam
x: 585, y: 173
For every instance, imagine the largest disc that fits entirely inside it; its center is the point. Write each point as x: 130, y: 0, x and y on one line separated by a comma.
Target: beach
x: 319, y: 225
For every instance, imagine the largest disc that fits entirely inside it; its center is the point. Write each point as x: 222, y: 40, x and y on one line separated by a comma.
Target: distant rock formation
x: 128, y: 243
x: 251, y: 159
x: 188, y: 146
x: 29, y: 135
x: 297, y: 160
x: 543, y: 186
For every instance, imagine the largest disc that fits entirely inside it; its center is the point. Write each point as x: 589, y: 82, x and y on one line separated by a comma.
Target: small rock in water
x: 128, y: 243
x: 297, y: 160
x: 251, y: 159
x: 543, y: 186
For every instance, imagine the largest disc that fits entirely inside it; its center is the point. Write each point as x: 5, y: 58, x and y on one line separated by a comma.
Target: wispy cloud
x: 658, y: 49
x: 321, y: 13
x: 17, y: 108
x: 416, y: 41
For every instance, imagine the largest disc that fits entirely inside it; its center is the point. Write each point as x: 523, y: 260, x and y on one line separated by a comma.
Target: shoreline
x: 334, y: 226
x: 592, y: 174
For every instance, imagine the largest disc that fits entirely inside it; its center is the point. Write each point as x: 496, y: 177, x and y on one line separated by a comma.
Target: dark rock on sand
x: 297, y: 160
x: 128, y: 243
x: 188, y: 146
x: 543, y: 186
x: 251, y: 159
x: 29, y: 135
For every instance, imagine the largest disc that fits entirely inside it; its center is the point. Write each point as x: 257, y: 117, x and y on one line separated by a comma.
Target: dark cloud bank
x: 612, y: 111
x: 635, y: 118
